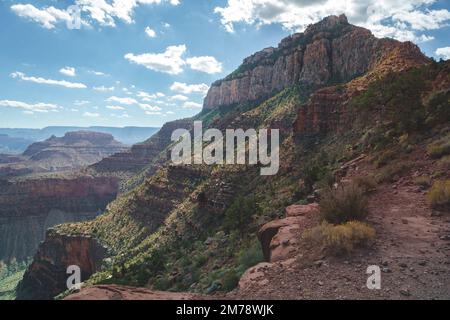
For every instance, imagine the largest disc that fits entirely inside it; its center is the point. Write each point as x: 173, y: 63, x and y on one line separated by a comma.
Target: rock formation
x: 29, y: 207
x: 331, y: 51
x: 47, y: 275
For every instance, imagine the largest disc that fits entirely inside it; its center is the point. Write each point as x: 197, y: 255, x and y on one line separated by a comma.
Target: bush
x: 340, y: 239
x: 439, y: 195
x: 249, y: 257
x: 390, y: 172
x: 239, y: 214
x: 230, y: 280
x: 344, y: 204
x: 366, y: 183
x: 440, y: 148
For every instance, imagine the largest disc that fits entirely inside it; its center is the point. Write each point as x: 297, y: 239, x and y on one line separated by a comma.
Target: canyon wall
x: 143, y: 154
x: 29, y: 207
x: 331, y: 51
x: 47, y: 275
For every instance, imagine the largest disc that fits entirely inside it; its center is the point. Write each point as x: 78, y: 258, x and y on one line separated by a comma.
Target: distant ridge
x: 126, y: 135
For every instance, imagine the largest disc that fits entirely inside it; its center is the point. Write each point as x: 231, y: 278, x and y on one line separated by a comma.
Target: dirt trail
x: 412, y: 248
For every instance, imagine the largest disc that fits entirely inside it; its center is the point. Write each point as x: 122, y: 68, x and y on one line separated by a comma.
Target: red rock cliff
x: 330, y: 51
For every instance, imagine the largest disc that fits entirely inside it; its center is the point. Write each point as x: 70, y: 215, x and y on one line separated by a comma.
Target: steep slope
x: 331, y: 51
x: 195, y: 227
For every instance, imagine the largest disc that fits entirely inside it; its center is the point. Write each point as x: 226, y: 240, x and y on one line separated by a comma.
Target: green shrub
x: 344, y: 204
x: 239, y: 214
x: 366, y: 183
x: 390, y: 172
x: 249, y: 257
x: 440, y: 148
x: 385, y: 158
x: 340, y: 239
x: 230, y: 280
x: 439, y: 195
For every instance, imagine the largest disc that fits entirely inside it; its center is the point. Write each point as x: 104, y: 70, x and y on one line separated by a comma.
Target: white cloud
x: 145, y: 96
x: 115, y: 108
x: 68, y: 71
x: 126, y: 101
x: 97, y: 73
x: 148, y: 107
x: 444, y: 52
x: 91, y: 115
x: 81, y: 102
x: 103, y: 12
x: 192, y: 105
x: 103, y: 89
x: 170, y: 61
x: 47, y: 17
x: 205, y: 64
x: 179, y: 97
x: 150, y: 32
x: 153, y: 113
x: 404, y: 20
x: 189, y: 88
x: 63, y: 83
x: 30, y: 108
x: 170, y: 112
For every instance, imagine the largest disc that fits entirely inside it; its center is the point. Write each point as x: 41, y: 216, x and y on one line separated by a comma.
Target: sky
x: 146, y: 62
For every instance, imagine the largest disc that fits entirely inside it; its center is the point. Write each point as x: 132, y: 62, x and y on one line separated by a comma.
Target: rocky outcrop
x: 331, y: 51
x: 29, y: 207
x: 115, y: 292
x: 47, y: 275
x: 279, y: 238
x: 143, y: 154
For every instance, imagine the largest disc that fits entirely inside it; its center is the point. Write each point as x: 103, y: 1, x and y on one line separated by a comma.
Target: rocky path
x: 412, y: 248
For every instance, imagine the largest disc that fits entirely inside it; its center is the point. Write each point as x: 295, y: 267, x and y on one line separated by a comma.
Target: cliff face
x: 184, y: 205
x: 331, y: 51
x: 47, y: 275
x: 72, y: 151
x: 28, y: 208
x: 143, y: 154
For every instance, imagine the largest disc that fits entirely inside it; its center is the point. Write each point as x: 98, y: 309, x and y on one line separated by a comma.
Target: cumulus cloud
x: 68, y: 71
x: 47, y: 17
x: 30, y: 108
x: 444, y: 52
x: 148, y: 107
x: 170, y: 61
x: 115, y: 108
x: 102, y: 12
x: 404, y: 20
x: 150, y: 32
x: 125, y: 101
x: 103, y: 89
x: 62, y: 83
x: 189, y: 88
x: 205, y: 64
x: 179, y: 97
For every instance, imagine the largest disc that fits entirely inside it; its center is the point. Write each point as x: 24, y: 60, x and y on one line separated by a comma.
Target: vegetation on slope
x: 176, y: 234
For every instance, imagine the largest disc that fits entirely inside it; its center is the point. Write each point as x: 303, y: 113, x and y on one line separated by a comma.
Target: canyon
x: 183, y: 228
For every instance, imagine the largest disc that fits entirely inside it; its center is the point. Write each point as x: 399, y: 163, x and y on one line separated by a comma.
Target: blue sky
x: 146, y: 62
